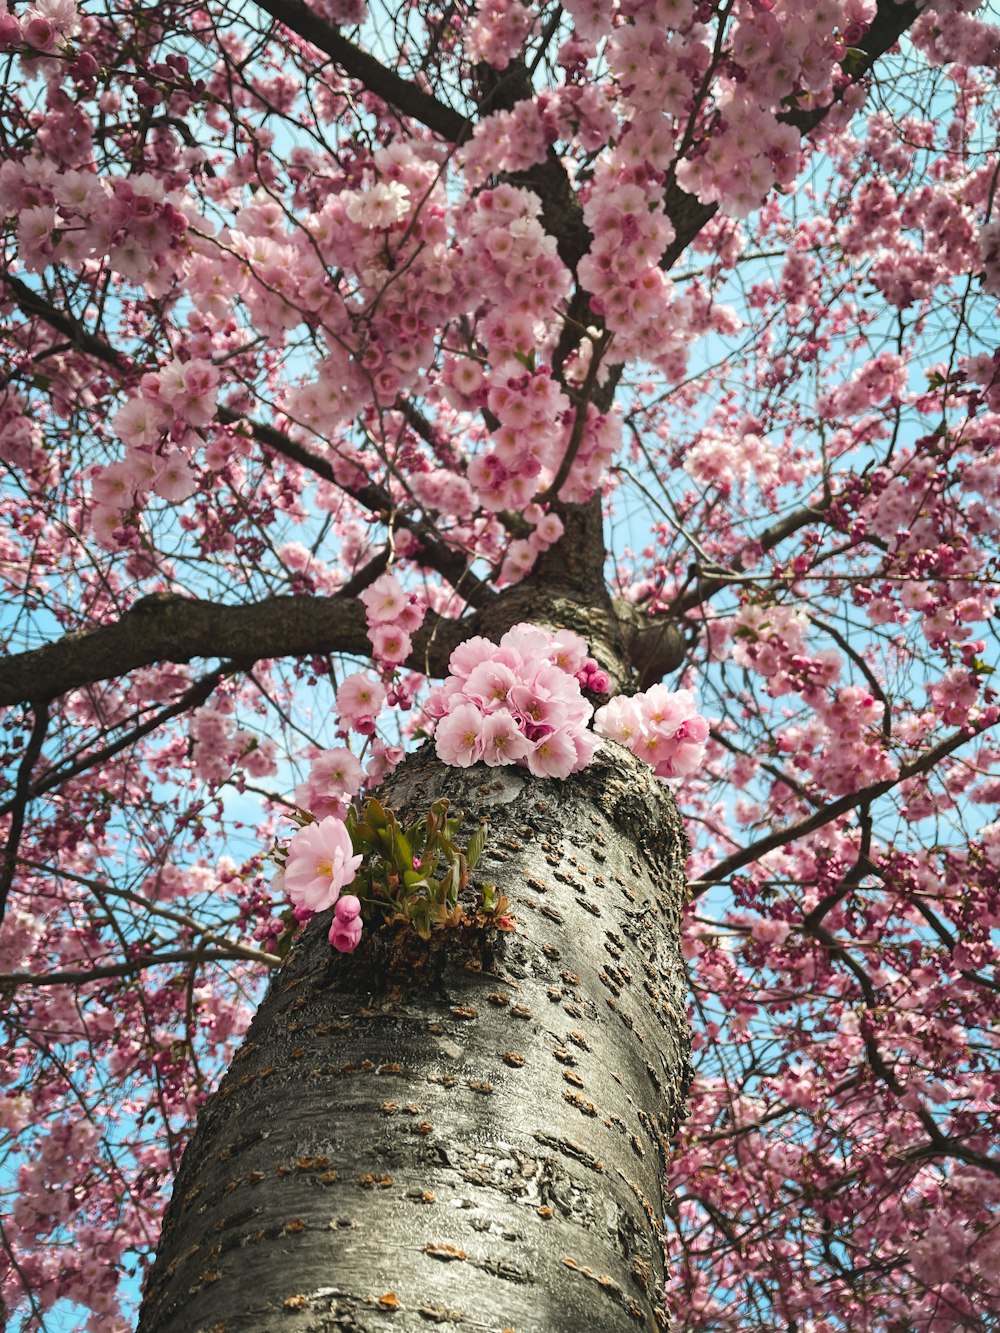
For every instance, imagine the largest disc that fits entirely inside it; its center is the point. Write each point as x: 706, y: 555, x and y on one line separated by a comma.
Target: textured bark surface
x: 472, y: 1133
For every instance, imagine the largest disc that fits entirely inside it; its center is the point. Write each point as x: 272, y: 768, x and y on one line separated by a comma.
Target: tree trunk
x: 470, y: 1132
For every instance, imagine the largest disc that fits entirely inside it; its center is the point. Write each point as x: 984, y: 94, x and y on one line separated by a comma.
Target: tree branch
x: 22, y: 795
x: 436, y: 554
x: 710, y: 582
x: 689, y: 214
x: 193, y: 697
x: 33, y: 304
x: 445, y: 560
x: 922, y: 764
x: 166, y: 627
x: 12, y: 980
x: 397, y: 92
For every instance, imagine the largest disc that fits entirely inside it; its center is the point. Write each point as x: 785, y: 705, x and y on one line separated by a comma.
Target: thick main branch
x: 170, y: 628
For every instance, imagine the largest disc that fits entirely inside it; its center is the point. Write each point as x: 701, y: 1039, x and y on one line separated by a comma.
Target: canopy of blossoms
x: 339, y: 343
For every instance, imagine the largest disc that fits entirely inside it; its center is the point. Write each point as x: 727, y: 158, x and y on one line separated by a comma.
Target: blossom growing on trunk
x: 346, y: 927
x: 320, y: 862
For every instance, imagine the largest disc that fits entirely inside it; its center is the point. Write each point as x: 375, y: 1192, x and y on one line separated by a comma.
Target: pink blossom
x: 320, y: 862
x: 359, y: 698
x: 567, y: 651
x: 458, y: 736
x: 346, y: 935
x: 175, y: 480
x: 766, y: 930
x: 519, y: 682
x: 530, y: 642
x: 114, y: 485
x: 489, y: 685
x: 190, y: 389
x: 39, y: 32
x: 502, y: 740
x: 382, y: 759
x: 390, y: 643
x: 619, y: 720
x: 548, y: 530
x: 661, y: 726
x: 139, y: 422
x: 384, y: 599
x: 470, y: 654
x: 554, y: 755
x: 335, y: 776
x: 411, y: 617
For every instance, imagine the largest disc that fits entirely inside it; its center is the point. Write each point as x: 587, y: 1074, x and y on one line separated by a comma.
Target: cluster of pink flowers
x: 157, y: 428
x: 631, y: 231
x: 513, y: 260
x: 321, y: 861
x: 771, y: 641
x: 536, y: 424
x: 21, y: 437
x: 496, y: 33
x: 334, y: 778
x: 517, y: 702
x: 218, y: 745
x: 388, y: 235
x: 66, y: 214
x: 359, y: 702
x: 521, y: 702
x: 881, y: 378
x: 842, y: 746
x: 43, y: 26
x: 393, y: 615
x: 989, y: 253
x: 661, y: 726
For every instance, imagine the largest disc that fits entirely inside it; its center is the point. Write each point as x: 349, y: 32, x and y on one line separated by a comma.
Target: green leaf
x: 454, y: 882
x: 420, y: 918
x: 376, y: 815
x: 362, y: 839
x: 438, y: 812
x: 401, y: 849
x: 475, y: 848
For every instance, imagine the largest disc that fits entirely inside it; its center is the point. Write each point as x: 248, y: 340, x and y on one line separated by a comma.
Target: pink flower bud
x: 345, y: 935
x: 39, y: 33
x: 10, y: 31
x: 348, y: 907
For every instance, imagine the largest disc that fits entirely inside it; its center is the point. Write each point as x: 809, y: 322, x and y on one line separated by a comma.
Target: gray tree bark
x: 469, y: 1132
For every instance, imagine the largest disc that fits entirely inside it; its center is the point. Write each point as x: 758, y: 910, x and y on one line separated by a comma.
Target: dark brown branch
x: 33, y: 304
x: 689, y: 214
x: 22, y: 794
x: 710, y: 582
x: 551, y: 492
x: 191, y: 698
x: 883, y: 1070
x: 397, y: 92
x: 435, y: 554
x: 11, y: 980
x: 562, y: 213
x: 166, y: 627
x: 782, y: 837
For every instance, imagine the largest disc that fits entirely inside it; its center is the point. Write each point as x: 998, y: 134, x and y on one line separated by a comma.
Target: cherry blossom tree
x: 557, y: 411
